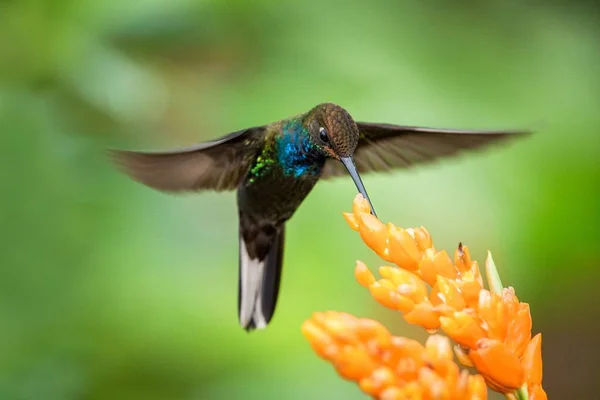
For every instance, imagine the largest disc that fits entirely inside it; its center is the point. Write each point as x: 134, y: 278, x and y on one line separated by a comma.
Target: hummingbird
x: 275, y: 166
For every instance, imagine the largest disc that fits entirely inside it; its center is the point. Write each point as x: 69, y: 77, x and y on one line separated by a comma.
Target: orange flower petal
x: 444, y: 310
x: 510, y: 300
x: 337, y: 328
x: 427, y: 267
x: 462, y: 356
x: 411, y: 391
x: 423, y: 314
x: 434, y: 386
x: 476, y: 273
x: 320, y: 341
x: 407, y: 348
x: 354, y: 363
x: 360, y: 205
x: 518, y: 332
x: 446, y: 292
x: 374, y: 334
x: 363, y: 275
x: 373, y: 233
x: 379, y: 379
x: 402, y: 248
x: 443, y: 265
x: 407, y: 283
x: 532, y: 360
x: 462, y: 258
x: 537, y: 393
x: 477, y: 387
x: 500, y: 368
x: 351, y: 221
x: 462, y: 385
x: 491, y: 310
x: 463, y: 328
x: 423, y: 239
x: 405, y: 357
x: 438, y: 347
x: 449, y: 371
x: 390, y: 298
x: 434, y: 264
x: 469, y: 288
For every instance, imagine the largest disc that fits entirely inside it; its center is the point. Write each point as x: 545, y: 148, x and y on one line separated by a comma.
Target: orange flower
x: 464, y: 328
x: 403, y: 247
x: 423, y: 314
x: 389, y: 367
x: 501, y: 369
x: 436, y: 264
x: 491, y: 327
x: 532, y: 364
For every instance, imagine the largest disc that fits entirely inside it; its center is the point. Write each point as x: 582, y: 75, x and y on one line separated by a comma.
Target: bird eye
x: 323, y: 135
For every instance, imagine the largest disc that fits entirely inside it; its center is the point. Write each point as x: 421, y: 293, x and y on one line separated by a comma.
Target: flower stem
x: 493, y: 277
x: 521, y: 393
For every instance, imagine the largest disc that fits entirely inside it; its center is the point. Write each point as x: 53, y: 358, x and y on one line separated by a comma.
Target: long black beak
x: 349, y: 164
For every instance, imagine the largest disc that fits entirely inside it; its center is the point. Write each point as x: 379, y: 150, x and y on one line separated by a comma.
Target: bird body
x: 283, y: 172
x: 281, y: 176
x: 274, y: 167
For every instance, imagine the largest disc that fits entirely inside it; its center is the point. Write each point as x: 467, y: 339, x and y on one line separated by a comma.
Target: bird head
x: 336, y: 135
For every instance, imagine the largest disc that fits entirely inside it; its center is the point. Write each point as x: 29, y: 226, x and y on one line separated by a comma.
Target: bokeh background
x: 109, y: 290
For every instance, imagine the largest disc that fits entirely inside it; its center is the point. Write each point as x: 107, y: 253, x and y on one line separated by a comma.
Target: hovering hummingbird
x: 273, y: 168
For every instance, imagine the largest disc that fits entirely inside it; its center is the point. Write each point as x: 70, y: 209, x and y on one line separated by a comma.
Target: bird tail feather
x: 258, y: 286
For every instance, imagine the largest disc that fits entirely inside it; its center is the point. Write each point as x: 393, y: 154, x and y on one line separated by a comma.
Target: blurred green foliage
x: 109, y: 290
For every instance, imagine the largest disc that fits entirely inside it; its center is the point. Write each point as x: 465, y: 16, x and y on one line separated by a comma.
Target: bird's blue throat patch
x: 296, y: 153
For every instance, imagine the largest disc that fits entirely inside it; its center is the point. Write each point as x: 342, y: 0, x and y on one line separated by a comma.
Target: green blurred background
x: 109, y: 290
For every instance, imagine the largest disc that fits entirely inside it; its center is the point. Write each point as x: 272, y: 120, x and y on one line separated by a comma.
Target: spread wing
x: 217, y: 165
x: 383, y: 147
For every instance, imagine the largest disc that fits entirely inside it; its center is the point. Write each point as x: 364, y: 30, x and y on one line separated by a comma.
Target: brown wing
x: 384, y: 147
x: 217, y: 165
